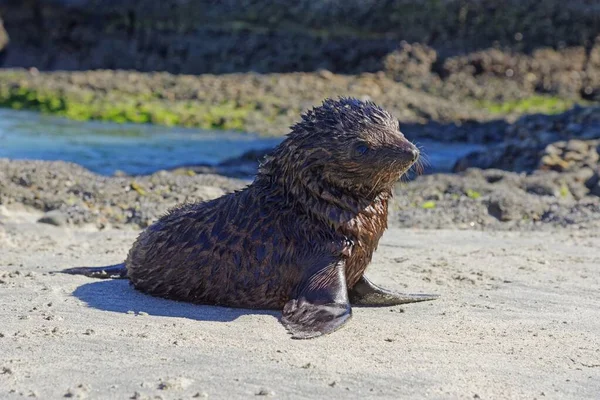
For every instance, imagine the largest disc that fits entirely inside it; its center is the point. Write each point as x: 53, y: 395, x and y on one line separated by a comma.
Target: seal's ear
x: 321, y: 305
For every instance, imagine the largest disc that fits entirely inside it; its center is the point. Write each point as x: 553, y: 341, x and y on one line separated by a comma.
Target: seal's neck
x: 301, y: 182
x: 325, y: 202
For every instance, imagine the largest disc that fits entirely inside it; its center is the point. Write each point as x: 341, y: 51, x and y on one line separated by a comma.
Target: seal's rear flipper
x: 366, y: 293
x: 117, y: 271
x: 321, y: 306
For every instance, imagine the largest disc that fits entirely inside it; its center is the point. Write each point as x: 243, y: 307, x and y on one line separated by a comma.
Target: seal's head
x: 348, y: 144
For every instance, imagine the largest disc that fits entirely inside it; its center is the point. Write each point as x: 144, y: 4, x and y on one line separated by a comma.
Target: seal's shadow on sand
x: 120, y: 296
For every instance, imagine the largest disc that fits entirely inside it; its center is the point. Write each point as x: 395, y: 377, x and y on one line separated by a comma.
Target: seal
x: 298, y: 238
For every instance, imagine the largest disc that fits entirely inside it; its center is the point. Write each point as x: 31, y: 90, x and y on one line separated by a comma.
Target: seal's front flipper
x: 366, y: 293
x: 306, y: 320
x: 321, y: 305
x: 117, y: 271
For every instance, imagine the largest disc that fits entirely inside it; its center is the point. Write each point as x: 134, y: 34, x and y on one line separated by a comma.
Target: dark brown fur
x: 313, y: 216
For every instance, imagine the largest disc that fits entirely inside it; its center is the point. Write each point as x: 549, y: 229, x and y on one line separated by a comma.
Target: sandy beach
x: 518, y: 318
x: 113, y: 112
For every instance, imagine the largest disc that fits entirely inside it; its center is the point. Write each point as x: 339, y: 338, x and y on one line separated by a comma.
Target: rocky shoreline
x: 525, y: 88
x: 264, y: 104
x: 536, y: 172
x: 415, y: 82
x: 540, y: 172
x: 475, y: 199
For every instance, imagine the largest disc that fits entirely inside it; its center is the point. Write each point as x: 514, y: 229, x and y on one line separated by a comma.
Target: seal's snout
x: 407, y: 153
x: 414, y: 152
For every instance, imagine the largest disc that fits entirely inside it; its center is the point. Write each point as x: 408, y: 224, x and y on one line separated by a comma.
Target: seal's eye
x: 362, y: 149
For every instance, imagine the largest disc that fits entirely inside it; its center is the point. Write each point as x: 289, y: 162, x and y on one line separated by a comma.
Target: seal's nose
x: 415, y: 154
x: 405, y: 152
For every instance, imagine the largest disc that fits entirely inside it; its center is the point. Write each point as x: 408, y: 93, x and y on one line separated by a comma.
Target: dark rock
x: 595, y: 189
x: 410, y: 62
x: 495, y: 199
x: 534, y: 142
x: 516, y: 157
x: 251, y: 156
x: 242, y: 167
x: 103, y: 200
x: 474, y: 199
x: 542, y: 187
x: 579, y: 213
x: 571, y: 155
x: 511, y: 206
x: 593, y: 180
x: 54, y: 217
x: 200, y: 36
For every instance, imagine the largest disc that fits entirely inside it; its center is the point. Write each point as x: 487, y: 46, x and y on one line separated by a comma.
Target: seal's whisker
x: 421, y: 165
x: 424, y: 157
x: 376, y: 184
x: 417, y: 168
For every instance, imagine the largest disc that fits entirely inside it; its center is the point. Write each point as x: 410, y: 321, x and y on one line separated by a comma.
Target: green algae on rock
x: 530, y: 105
x: 266, y: 104
x: 83, y: 104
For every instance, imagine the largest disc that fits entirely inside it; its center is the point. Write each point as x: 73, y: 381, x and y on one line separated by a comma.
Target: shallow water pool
x: 141, y: 149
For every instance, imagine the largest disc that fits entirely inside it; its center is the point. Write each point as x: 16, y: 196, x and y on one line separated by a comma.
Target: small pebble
x: 54, y: 217
x: 265, y: 392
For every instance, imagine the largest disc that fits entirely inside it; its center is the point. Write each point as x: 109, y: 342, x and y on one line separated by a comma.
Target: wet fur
x: 314, y: 215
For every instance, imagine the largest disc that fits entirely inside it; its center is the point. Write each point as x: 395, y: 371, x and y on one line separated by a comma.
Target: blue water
x: 141, y: 149
x: 106, y: 147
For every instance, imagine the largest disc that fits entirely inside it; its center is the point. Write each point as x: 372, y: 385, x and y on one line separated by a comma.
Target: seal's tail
x: 117, y: 271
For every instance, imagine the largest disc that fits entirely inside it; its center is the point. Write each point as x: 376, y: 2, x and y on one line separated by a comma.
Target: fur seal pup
x: 299, y: 238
